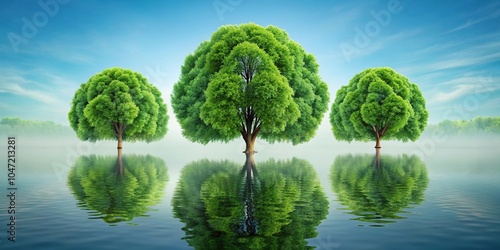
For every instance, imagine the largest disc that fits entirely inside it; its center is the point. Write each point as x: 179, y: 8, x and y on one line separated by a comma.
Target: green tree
x: 276, y: 205
x: 118, y: 193
x: 378, y: 102
x: 248, y: 80
x: 118, y: 104
x: 376, y: 189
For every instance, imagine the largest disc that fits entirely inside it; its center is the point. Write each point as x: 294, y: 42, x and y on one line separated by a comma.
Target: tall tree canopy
x: 118, y: 104
x: 378, y: 103
x: 248, y: 80
x: 378, y: 193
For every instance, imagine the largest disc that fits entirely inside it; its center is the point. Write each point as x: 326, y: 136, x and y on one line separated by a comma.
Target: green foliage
x: 476, y: 126
x: 249, y: 69
x: 118, y: 96
x: 18, y: 126
x: 97, y: 186
x: 377, y: 194
x: 283, y: 202
x: 378, y: 99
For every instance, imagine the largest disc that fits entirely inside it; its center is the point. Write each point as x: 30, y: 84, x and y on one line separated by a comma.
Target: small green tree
x: 378, y: 103
x: 248, y: 80
x: 118, y: 104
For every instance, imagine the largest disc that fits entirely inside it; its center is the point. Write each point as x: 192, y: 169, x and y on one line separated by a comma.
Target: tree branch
x: 256, y: 132
x: 255, y: 123
x: 115, y: 126
x: 384, y: 129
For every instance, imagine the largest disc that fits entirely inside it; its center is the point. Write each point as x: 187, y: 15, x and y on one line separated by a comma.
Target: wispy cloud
x: 25, y: 85
x: 462, y: 62
x: 484, y: 17
x: 470, y: 84
x: 463, y: 56
x: 16, y: 89
x: 381, y: 42
x: 459, y: 91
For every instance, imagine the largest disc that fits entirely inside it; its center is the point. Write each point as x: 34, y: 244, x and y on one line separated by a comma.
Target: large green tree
x: 118, y: 104
x: 378, y: 103
x: 248, y: 80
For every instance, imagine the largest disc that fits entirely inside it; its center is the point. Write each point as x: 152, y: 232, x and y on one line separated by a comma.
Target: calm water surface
x: 74, y: 197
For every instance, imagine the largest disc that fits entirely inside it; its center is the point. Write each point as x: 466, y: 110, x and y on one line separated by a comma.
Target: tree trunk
x: 249, y: 130
x: 377, y: 145
x: 379, y: 133
x: 250, y: 141
x: 119, y: 148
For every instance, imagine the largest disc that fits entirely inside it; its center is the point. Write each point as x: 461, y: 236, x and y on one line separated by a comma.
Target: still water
x: 73, y: 196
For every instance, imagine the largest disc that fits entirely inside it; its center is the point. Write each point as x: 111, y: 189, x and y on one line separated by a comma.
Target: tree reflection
x: 274, y: 205
x: 114, y: 191
x: 378, y: 188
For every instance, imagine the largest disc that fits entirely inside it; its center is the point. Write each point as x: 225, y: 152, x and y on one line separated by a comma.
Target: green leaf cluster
x: 378, y: 194
x: 245, y: 68
x: 113, y: 198
x: 378, y: 98
x: 118, y: 96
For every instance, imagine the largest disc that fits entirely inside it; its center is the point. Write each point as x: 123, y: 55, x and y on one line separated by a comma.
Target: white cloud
x: 475, y: 83
x: 488, y: 52
x: 25, y: 85
x: 379, y: 42
x: 472, y: 22
x: 16, y: 89
x: 459, y: 91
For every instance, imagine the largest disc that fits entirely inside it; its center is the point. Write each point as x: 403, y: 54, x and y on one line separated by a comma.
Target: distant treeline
x: 478, y: 125
x: 18, y: 126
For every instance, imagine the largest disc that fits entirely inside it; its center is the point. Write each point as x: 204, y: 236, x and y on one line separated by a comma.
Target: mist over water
x: 459, y: 200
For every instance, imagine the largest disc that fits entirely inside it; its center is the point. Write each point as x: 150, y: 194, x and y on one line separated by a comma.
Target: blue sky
x: 49, y: 47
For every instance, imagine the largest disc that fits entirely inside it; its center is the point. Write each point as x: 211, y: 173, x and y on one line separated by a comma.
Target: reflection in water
x: 377, y: 189
x: 118, y: 193
x: 275, y: 205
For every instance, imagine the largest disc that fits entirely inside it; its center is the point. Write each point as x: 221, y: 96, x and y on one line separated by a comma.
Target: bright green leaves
x: 118, y: 96
x: 248, y: 73
x: 223, y: 104
x: 248, y: 80
x: 271, y: 98
x: 378, y: 99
